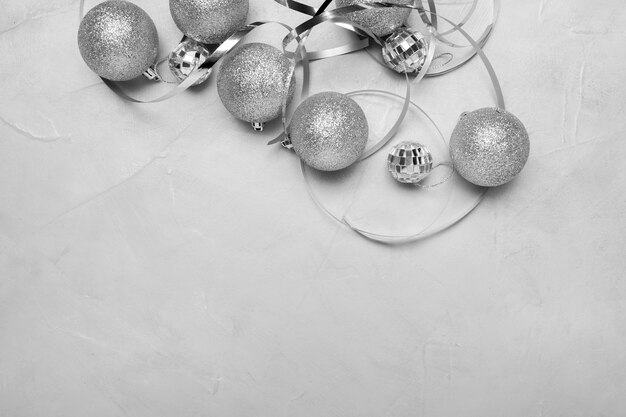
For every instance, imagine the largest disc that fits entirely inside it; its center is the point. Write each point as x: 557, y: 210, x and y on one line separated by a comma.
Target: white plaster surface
x: 160, y: 260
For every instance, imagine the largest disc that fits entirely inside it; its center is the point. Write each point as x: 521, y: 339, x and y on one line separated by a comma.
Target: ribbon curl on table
x: 429, y: 17
x: 335, y: 16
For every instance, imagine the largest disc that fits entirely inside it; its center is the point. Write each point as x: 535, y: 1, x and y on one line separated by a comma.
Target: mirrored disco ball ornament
x: 188, y: 55
x: 380, y: 21
x: 489, y: 146
x: 409, y: 162
x: 253, y: 82
x: 209, y: 21
x: 118, y: 40
x: 405, y: 51
x: 329, y: 131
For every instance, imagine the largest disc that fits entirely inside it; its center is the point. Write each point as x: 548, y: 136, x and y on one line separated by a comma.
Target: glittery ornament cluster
x: 380, y: 21
x: 405, y: 51
x: 329, y: 131
x: 253, y: 81
x: 118, y: 40
x: 489, y: 147
x: 209, y: 21
x: 409, y: 162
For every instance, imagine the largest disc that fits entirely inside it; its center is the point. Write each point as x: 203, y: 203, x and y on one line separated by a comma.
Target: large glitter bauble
x: 409, y: 162
x: 209, y: 21
x: 405, y: 51
x: 253, y: 82
x: 118, y: 40
x: 380, y: 21
x: 187, y: 56
x: 329, y: 131
x: 489, y: 146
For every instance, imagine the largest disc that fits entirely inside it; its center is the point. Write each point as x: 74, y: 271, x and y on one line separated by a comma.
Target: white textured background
x: 142, y: 273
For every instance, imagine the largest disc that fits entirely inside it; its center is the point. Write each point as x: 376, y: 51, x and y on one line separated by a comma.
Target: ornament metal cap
x: 286, y: 142
x: 258, y: 126
x: 152, y: 74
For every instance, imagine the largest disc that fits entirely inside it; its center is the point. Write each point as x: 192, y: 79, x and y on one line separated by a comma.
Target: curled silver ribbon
x: 440, y: 66
x: 425, y: 232
x: 429, y: 17
x: 461, y: 23
x: 350, y: 224
x: 337, y: 16
x: 298, y: 7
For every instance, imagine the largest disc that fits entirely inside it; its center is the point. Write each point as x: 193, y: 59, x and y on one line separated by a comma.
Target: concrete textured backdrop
x: 144, y: 271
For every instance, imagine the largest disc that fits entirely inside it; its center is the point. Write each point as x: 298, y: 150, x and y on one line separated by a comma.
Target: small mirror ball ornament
x: 405, y: 51
x: 409, y: 162
x: 489, y: 146
x: 253, y: 81
x: 118, y: 40
x: 187, y: 56
x: 380, y: 21
x: 329, y: 131
x: 209, y: 21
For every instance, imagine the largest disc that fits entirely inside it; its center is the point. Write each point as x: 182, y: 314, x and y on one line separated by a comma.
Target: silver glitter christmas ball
x: 329, y: 131
x: 489, y: 147
x: 409, y: 162
x: 380, y: 21
x: 185, y: 57
x: 118, y: 40
x: 405, y: 50
x: 209, y: 21
x: 253, y: 81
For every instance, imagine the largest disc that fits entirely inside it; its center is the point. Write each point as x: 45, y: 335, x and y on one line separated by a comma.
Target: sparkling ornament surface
x: 405, y: 51
x: 253, y: 81
x: 118, y: 40
x: 409, y: 162
x: 188, y: 55
x: 489, y: 147
x: 209, y: 21
x: 329, y: 131
x: 381, y: 21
